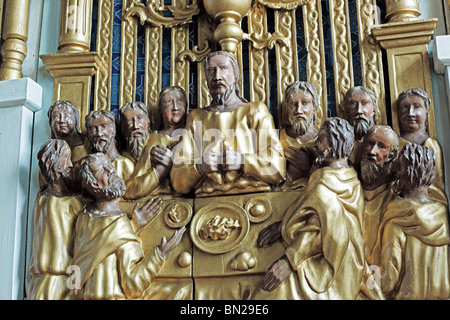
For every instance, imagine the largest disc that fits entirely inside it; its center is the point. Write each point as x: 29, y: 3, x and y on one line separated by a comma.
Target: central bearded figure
x: 232, y: 145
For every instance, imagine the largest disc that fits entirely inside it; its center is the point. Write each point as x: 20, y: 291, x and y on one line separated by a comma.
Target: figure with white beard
x: 152, y: 150
x: 413, y: 106
x: 230, y: 146
x: 378, y: 151
x: 322, y: 229
x: 101, y: 132
x: 55, y: 212
x: 298, y: 133
x: 107, y: 249
x: 359, y: 108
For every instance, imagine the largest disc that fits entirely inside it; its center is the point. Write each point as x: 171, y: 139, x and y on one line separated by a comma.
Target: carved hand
x: 269, y: 235
x: 278, y: 273
x: 232, y: 160
x: 168, y: 245
x: 299, y: 160
x: 162, y: 155
x: 210, y: 163
x: 140, y: 217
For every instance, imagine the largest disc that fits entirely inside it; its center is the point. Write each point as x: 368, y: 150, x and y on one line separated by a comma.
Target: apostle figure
x: 322, y: 229
x: 101, y: 132
x: 107, y: 250
x: 413, y: 238
x: 230, y: 146
x: 64, y: 120
x: 359, y: 109
x: 413, y: 106
x: 55, y: 211
x: 378, y: 151
x: 299, y: 132
x: 152, y: 167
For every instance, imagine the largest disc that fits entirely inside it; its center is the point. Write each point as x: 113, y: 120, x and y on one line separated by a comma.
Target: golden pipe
x: 15, y: 35
x: 75, y: 26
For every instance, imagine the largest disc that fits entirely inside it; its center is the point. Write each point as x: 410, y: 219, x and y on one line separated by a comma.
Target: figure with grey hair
x: 101, y: 132
x: 107, y: 248
x: 413, y: 106
x: 298, y: 133
x: 55, y: 212
x: 64, y: 120
x: 359, y: 108
x: 230, y: 146
x: 152, y: 167
x: 412, y: 243
x: 379, y: 149
x: 322, y: 229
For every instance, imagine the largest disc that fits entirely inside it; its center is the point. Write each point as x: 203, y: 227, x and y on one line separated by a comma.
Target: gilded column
x: 15, y: 34
x: 406, y: 43
x: 74, y: 65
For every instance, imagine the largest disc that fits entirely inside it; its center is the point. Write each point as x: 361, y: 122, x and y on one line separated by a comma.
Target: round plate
x: 222, y: 210
x: 258, y: 209
x: 177, y: 214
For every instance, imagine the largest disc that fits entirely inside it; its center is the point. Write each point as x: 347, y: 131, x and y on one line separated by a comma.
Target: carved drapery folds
x: 260, y: 34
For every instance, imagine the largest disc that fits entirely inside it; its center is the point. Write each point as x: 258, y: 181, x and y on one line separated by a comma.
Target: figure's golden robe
x: 124, y: 167
x: 248, y: 130
x: 286, y: 142
x: 145, y: 180
x: 376, y: 201
x: 323, y: 231
x: 413, y: 244
x: 111, y: 260
x: 53, y: 236
x: 437, y: 188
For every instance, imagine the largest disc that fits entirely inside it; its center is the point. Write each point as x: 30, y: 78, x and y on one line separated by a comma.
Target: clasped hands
x: 214, y: 162
x: 162, y: 160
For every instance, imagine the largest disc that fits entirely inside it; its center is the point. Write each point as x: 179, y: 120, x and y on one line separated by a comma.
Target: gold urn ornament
x: 228, y: 14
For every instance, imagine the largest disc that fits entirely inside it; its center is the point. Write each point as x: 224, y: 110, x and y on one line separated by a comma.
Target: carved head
x: 99, y: 177
x: 413, y: 106
x: 378, y: 151
x: 222, y: 76
x: 135, y: 126
x: 64, y: 119
x: 101, y: 129
x: 360, y: 109
x: 334, y: 141
x: 54, y: 161
x: 301, y: 103
x: 414, y: 167
x: 173, y: 106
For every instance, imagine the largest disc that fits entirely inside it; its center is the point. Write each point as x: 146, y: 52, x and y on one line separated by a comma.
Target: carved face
x: 376, y: 155
x: 360, y: 113
x: 173, y: 106
x: 220, y: 78
x: 101, y: 133
x: 135, y: 123
x: 412, y: 114
x: 63, y: 121
x: 64, y: 165
x: 323, y: 148
x: 107, y: 183
x: 300, y: 109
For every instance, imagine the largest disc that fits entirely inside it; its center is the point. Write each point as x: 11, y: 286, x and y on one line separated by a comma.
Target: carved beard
x: 97, y: 148
x: 221, y: 98
x: 137, y: 144
x: 361, y: 127
x: 321, y: 156
x: 371, y: 171
x: 300, y: 127
x: 67, y: 178
x: 115, y: 190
